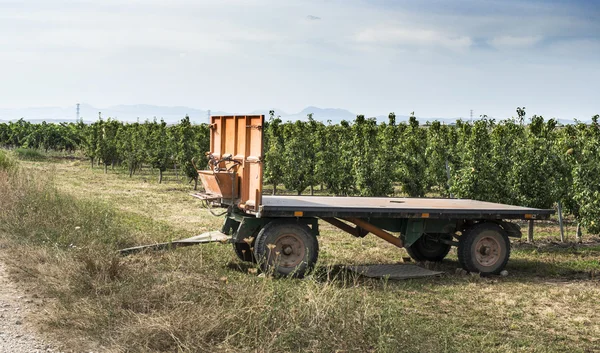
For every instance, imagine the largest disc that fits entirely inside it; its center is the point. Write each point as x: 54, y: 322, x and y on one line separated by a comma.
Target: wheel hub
x: 487, y: 251
x: 289, y: 250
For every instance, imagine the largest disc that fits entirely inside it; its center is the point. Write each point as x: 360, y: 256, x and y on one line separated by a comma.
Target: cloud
x: 413, y: 37
x: 512, y: 42
x: 299, y: 52
x: 84, y: 31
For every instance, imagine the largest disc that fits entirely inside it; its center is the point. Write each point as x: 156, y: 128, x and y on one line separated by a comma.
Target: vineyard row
x: 535, y: 164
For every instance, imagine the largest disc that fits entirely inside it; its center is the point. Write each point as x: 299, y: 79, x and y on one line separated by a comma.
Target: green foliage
x: 202, y: 138
x: 131, y: 148
x: 437, y: 155
x: 89, y: 139
x: 388, y: 139
x: 509, y: 143
x: 372, y: 171
x: 58, y: 137
x: 477, y: 177
x: 106, y: 148
x: 298, y: 156
x: 538, y: 172
x: 335, y: 159
x: 158, y: 145
x: 586, y: 175
x: 186, y: 147
x: 413, y: 159
x: 273, y: 150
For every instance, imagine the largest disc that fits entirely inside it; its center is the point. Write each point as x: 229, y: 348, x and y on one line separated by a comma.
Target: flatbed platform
x: 388, y: 207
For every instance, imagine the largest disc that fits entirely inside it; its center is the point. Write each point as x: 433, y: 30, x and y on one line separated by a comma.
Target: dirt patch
x: 16, y: 333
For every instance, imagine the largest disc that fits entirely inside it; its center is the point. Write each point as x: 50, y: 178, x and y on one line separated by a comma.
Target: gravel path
x: 16, y: 335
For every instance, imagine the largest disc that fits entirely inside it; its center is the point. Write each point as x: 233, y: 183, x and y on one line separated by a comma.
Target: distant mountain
x: 321, y: 114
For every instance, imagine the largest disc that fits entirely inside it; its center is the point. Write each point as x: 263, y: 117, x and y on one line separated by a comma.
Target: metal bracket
x: 206, y: 197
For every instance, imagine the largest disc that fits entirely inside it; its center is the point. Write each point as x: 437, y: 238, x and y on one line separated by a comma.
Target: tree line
x: 532, y: 164
x: 111, y: 142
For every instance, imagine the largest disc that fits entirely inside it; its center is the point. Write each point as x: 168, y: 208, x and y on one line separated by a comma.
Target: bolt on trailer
x: 281, y: 232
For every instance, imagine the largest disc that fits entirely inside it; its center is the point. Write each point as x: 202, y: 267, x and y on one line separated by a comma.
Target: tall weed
x: 6, y: 162
x: 34, y: 210
x: 29, y: 154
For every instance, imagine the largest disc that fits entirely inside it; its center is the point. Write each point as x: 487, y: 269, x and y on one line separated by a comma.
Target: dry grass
x: 202, y: 299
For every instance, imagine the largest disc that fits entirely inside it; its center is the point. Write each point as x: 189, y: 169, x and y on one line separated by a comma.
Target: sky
x: 438, y: 58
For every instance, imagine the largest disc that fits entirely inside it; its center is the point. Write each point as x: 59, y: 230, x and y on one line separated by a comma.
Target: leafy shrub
x: 29, y: 154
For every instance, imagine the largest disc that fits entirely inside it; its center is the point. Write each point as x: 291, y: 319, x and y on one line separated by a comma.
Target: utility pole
x: 471, y: 115
x: 77, y: 111
x: 208, y: 115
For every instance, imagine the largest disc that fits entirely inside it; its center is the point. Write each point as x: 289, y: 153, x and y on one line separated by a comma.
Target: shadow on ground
x: 540, y: 261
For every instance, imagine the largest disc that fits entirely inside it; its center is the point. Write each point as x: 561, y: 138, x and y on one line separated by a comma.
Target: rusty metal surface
x: 396, y: 271
x: 354, y: 231
x: 323, y: 206
x: 236, y: 145
x: 219, y: 183
x: 390, y: 238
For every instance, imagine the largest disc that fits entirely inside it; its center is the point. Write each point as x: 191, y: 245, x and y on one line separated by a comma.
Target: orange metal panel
x: 236, y: 146
x: 218, y: 184
x: 254, y: 160
x: 228, y: 144
x: 215, y: 136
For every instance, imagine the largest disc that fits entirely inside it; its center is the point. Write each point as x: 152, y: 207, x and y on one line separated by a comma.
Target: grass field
x: 63, y: 221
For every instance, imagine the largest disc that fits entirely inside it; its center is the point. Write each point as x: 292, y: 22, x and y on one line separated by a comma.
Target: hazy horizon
x: 142, y: 112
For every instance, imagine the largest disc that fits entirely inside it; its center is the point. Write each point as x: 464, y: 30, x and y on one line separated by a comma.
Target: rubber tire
x: 466, y: 251
x: 275, y: 229
x: 247, y: 255
x: 419, y: 250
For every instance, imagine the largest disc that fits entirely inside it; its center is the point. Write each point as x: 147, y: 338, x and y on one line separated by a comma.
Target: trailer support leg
x: 530, y: 232
x: 390, y: 238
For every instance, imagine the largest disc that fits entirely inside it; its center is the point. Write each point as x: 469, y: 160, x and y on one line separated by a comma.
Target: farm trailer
x: 281, y: 232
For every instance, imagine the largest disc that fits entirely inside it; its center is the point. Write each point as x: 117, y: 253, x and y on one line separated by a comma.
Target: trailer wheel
x: 427, y: 249
x: 244, y: 252
x: 287, y: 248
x: 484, y: 248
